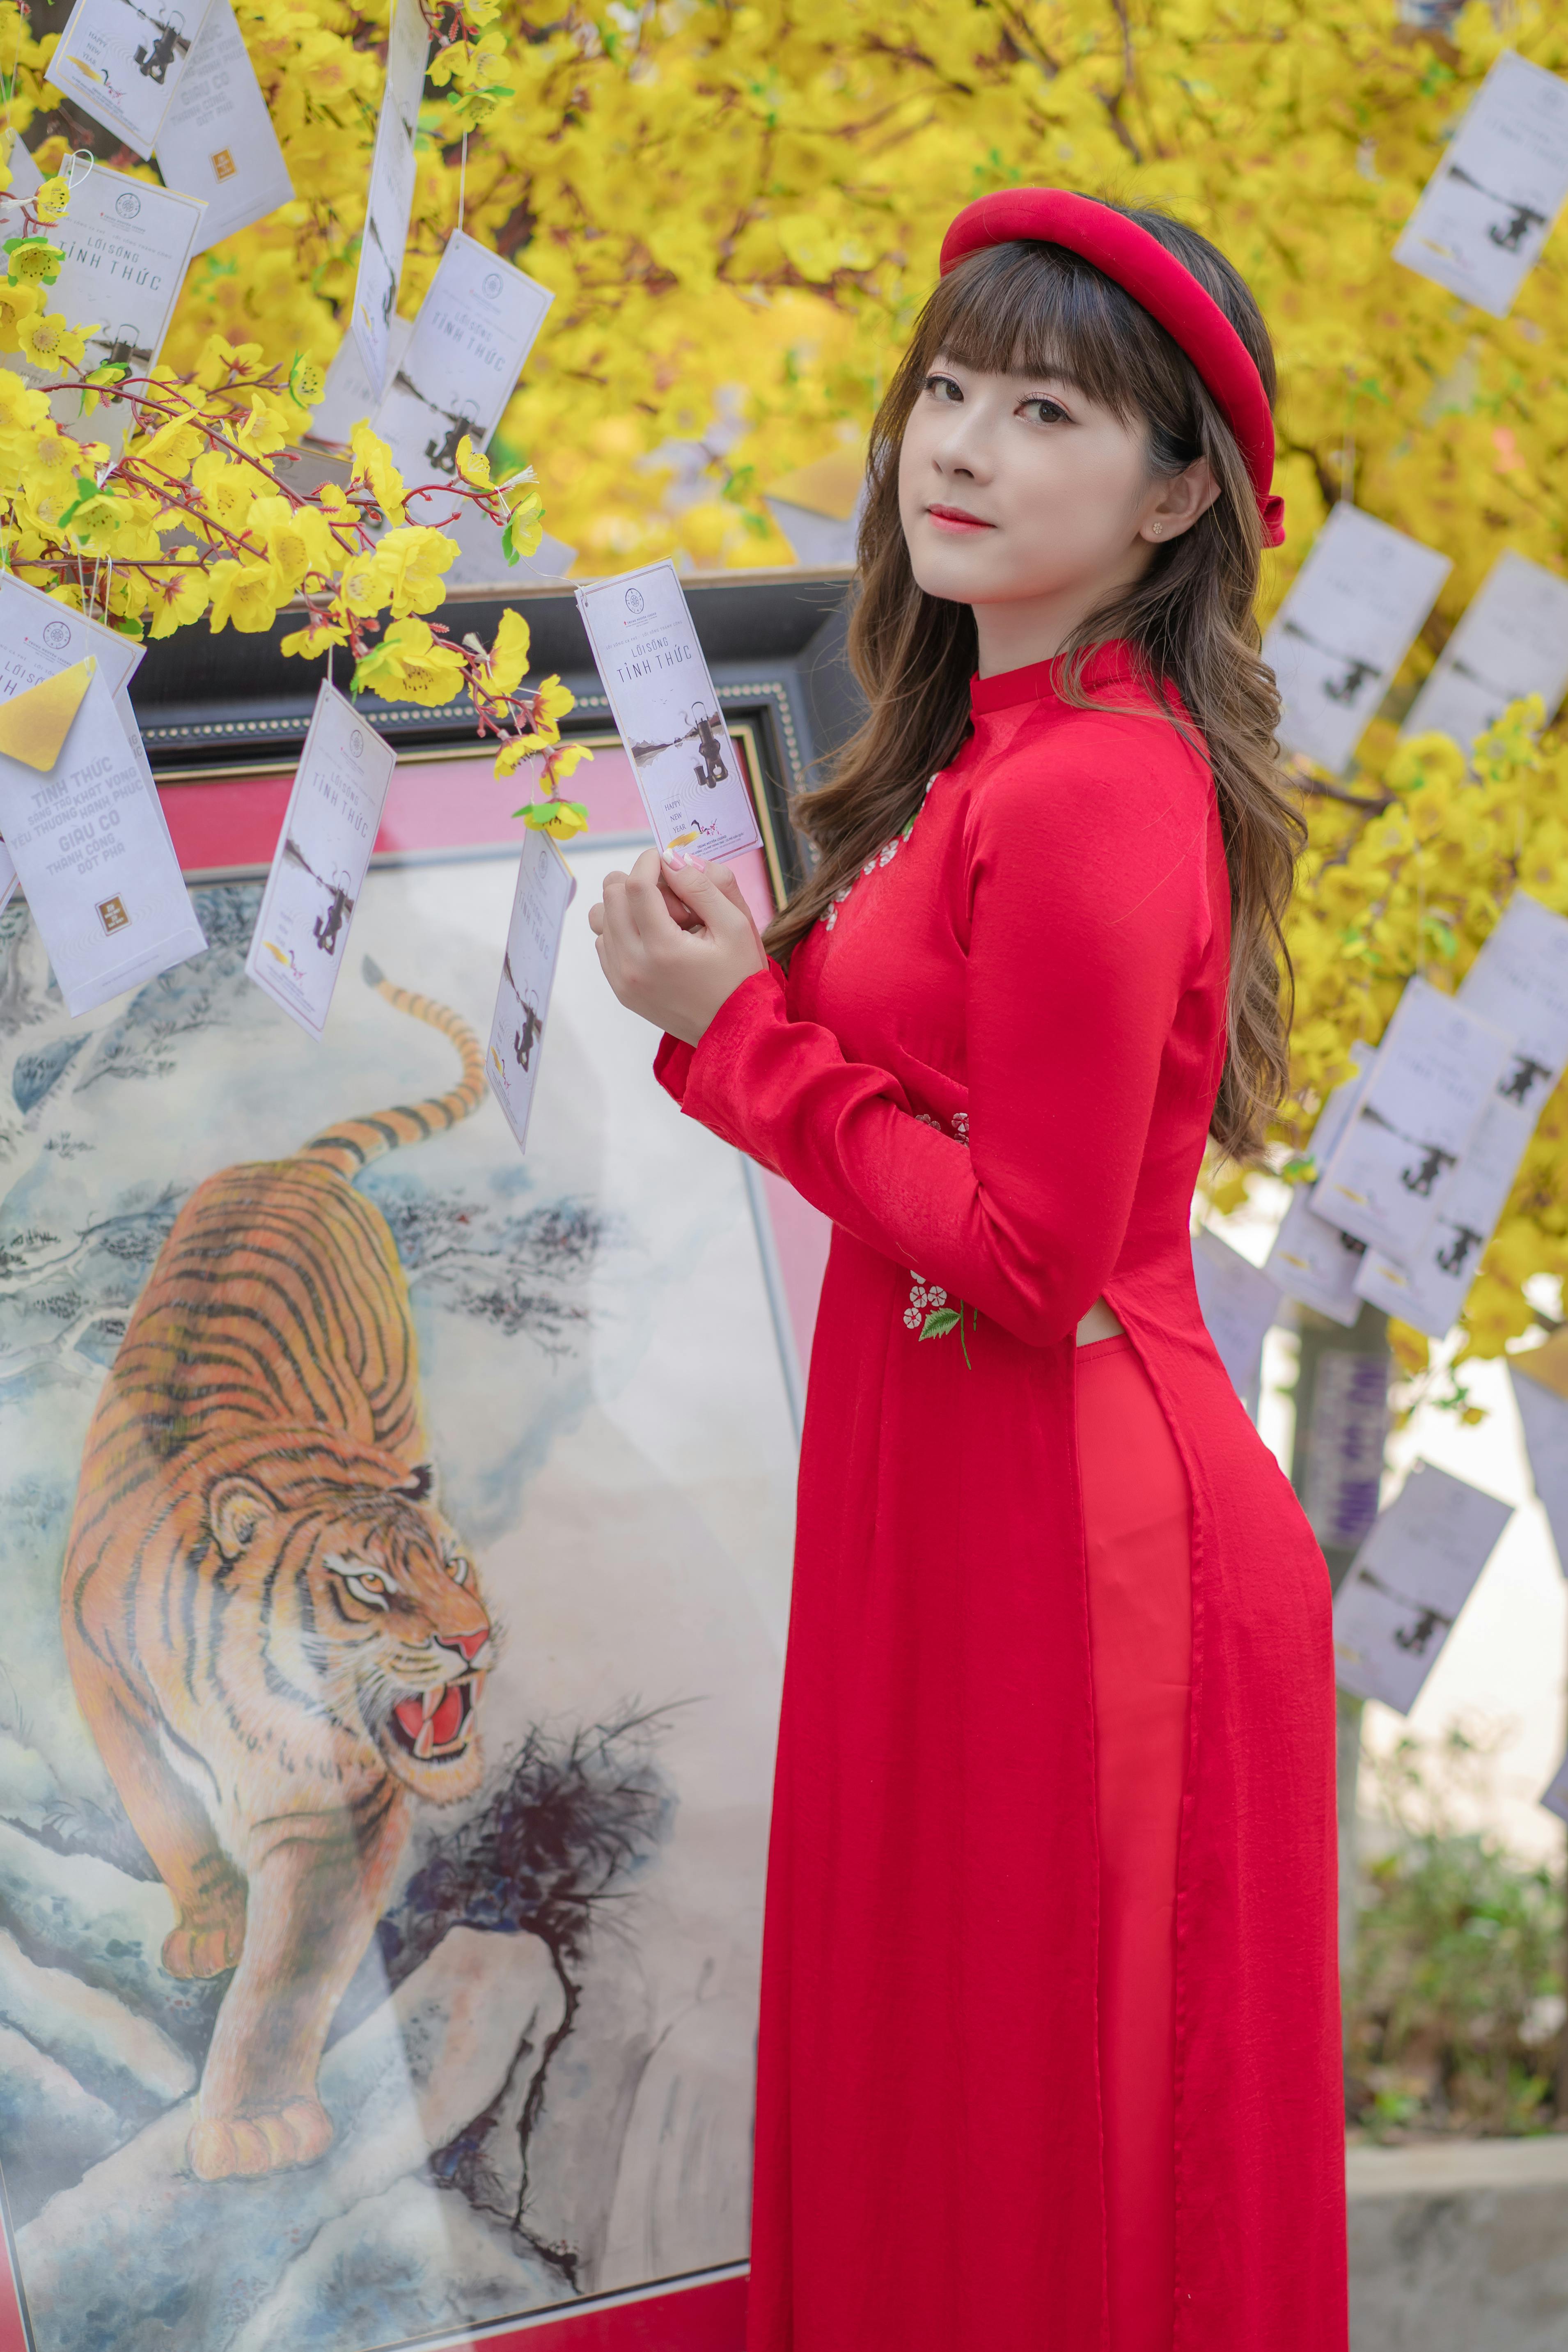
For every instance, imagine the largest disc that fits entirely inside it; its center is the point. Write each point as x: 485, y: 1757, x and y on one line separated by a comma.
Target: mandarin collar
x: 1107, y: 665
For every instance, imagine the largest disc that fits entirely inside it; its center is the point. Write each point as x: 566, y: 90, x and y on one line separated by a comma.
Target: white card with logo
x: 123, y: 64
x: 1519, y: 984
x: 1409, y: 1583
x: 460, y: 365
x: 1237, y: 1302
x: 653, y: 672
x: 217, y: 141
x: 1438, y: 1064
x: 391, y: 198
x: 318, y: 867
x: 1511, y: 641
x: 1309, y: 1259
x: 1348, y: 621
x: 126, y: 245
x: 92, y: 852
x: 1489, y: 208
x: 546, y: 886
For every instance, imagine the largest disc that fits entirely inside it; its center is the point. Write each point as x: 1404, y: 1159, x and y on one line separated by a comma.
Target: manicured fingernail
x: 701, y: 863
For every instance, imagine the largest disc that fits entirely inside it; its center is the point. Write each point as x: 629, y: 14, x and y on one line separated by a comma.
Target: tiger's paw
x: 206, y: 1947
x: 261, y: 2139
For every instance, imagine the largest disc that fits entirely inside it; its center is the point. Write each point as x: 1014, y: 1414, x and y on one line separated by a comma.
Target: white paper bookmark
x: 1311, y: 1260
x: 1437, y: 1063
x: 126, y: 245
x: 546, y: 886
x: 347, y: 399
x: 651, y: 667
x: 460, y: 365
x: 320, y: 861
x: 1519, y: 983
x: 1487, y: 210
x: 8, y: 876
x: 1409, y: 1583
x: 1511, y: 641
x: 1543, y: 1417
x: 217, y: 141
x: 93, y: 855
x: 391, y: 197
x: 1348, y: 621
x: 1238, y: 1303
x: 123, y: 64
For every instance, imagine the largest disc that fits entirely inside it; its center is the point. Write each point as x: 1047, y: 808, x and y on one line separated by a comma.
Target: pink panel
x: 801, y: 1234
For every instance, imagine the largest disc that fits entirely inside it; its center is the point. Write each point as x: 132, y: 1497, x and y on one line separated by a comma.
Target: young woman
x: 1049, y: 2056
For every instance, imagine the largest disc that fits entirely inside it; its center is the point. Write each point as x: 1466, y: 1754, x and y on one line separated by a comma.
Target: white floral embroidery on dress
x: 883, y: 856
x: 928, y: 1298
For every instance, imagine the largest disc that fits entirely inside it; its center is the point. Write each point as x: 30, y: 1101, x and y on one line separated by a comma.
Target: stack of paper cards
x: 1238, y: 1303
x: 1439, y: 1061
x: 319, y: 864
x: 1348, y: 620
x: 1487, y: 210
x: 1408, y: 1583
x: 546, y: 886
x: 645, y: 650
x: 79, y: 812
x: 217, y: 141
x: 126, y: 245
x: 461, y: 365
x: 1311, y: 1260
x: 391, y: 198
x: 123, y: 64
x: 1519, y: 985
x: 1511, y: 641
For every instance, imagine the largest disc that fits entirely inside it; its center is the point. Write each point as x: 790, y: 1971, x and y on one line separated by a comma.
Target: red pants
x: 1138, y: 1525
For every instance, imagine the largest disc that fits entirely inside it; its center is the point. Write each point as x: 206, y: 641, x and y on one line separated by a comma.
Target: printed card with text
x: 653, y: 672
x: 1348, y: 621
x: 546, y: 886
x: 391, y: 199
x: 1519, y: 984
x: 1489, y: 208
x: 1422, y: 1104
x: 1311, y: 1259
x: 322, y: 855
x: 123, y: 64
x: 1409, y: 1583
x: 1511, y: 641
x: 460, y: 365
x: 126, y: 245
x: 217, y: 141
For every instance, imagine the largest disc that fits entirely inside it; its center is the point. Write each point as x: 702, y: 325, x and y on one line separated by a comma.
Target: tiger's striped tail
x: 354, y: 1143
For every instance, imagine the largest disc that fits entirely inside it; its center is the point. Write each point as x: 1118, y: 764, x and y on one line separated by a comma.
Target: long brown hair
x: 1189, y: 620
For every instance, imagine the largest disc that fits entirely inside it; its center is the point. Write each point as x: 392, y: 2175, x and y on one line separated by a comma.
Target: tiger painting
x: 275, y: 1636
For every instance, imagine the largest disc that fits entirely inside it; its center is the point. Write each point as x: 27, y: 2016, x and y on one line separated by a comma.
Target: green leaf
x: 939, y: 1323
x: 507, y: 549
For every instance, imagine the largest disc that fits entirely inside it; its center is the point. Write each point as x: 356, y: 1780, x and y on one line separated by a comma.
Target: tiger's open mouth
x: 433, y: 1725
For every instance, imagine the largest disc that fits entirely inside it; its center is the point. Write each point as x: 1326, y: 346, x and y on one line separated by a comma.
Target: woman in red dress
x: 1049, y: 2056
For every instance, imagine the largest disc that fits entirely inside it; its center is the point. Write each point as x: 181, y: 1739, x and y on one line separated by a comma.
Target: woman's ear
x: 1178, y: 502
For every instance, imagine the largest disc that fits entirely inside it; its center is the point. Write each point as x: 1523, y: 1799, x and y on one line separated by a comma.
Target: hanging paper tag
x: 471, y: 338
x: 1487, y: 209
x: 347, y: 399
x: 218, y: 139
x: 1409, y: 1583
x: 1311, y: 1259
x: 391, y: 198
x: 1556, y: 1797
x: 8, y: 876
x: 646, y: 651
x: 546, y: 886
x: 1348, y: 621
x: 320, y: 861
x: 123, y: 64
x: 92, y: 852
x: 1438, y: 1062
x: 1511, y: 641
x: 1540, y: 1378
x: 1519, y: 984
x: 1238, y: 1303
x: 126, y: 245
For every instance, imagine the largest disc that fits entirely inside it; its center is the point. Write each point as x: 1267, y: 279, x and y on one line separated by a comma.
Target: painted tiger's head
x: 371, y: 1615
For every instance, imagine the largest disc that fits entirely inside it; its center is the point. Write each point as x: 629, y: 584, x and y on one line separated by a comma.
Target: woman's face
x: 1017, y: 491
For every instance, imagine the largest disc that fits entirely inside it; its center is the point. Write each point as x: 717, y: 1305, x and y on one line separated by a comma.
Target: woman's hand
x: 675, y: 940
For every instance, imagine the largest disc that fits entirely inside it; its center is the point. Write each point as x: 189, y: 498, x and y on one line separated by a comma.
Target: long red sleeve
x: 1081, y: 908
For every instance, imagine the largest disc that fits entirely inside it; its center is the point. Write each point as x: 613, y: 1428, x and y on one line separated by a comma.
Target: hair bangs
x: 1038, y: 310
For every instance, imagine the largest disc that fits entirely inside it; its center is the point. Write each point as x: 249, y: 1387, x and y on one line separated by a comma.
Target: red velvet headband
x: 1140, y: 266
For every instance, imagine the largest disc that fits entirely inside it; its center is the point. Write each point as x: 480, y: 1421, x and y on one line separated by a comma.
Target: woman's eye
x: 1046, y: 412
x: 943, y: 388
